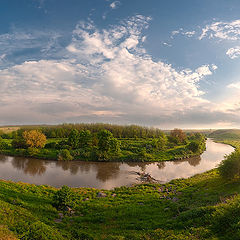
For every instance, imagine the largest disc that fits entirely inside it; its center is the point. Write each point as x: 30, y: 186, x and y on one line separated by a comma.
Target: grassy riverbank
x: 131, y: 150
x: 101, y: 144
x: 202, y: 207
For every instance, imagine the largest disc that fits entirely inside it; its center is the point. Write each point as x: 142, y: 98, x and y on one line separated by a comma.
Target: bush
x: 193, y: 146
x: 65, y: 197
x: 33, y: 151
x: 230, y: 166
x: 3, y: 145
x: 65, y: 155
x: 51, y: 145
x: 39, y: 230
x: 19, y: 143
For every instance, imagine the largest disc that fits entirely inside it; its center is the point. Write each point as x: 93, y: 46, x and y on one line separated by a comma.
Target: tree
x: 3, y: 145
x: 160, y: 142
x: 108, y: 146
x: 178, y: 134
x: 104, y: 140
x: 64, y: 198
x: 230, y: 166
x: 85, y: 139
x: 34, y: 138
x: 194, y: 146
x: 73, y: 139
x: 64, y: 155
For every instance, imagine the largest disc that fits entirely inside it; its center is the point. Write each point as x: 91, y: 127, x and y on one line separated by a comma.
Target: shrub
x: 64, y: 197
x: 3, y: 145
x: 51, y: 145
x: 230, y: 166
x: 65, y: 155
x: 39, y: 230
x: 32, y: 151
x: 19, y: 143
x: 193, y: 146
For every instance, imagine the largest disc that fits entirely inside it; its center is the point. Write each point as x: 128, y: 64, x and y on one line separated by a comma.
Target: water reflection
x: 106, y: 175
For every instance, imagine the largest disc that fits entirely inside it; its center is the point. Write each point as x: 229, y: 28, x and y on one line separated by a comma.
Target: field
x: 8, y: 129
x: 201, y: 207
x: 204, y: 206
x: 225, y: 134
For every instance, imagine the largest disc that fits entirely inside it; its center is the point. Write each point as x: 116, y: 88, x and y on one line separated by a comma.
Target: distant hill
x: 231, y: 134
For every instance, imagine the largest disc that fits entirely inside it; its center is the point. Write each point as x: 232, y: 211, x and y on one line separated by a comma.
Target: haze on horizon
x: 155, y: 63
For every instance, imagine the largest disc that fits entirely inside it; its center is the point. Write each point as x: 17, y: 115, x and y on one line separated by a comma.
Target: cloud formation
x: 104, y: 75
x: 233, y: 52
x: 114, y: 4
x: 222, y: 30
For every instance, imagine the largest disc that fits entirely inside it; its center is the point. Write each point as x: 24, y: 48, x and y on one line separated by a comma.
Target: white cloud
x: 106, y: 75
x: 214, y: 67
x: 167, y: 44
x: 182, y: 32
x: 222, y: 30
x: 233, y: 52
x: 114, y: 4
x: 189, y: 34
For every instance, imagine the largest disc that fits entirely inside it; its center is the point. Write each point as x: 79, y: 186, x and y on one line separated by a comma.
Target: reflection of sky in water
x: 107, y: 175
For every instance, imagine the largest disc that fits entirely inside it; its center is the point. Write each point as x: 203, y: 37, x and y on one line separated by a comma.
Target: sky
x: 161, y: 63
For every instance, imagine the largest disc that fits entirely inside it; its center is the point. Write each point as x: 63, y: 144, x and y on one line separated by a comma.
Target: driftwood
x: 146, y: 178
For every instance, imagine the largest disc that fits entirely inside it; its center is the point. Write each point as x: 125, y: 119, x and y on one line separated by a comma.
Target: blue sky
x: 156, y: 63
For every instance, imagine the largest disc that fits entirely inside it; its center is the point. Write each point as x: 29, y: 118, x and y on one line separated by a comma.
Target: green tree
x: 104, y: 140
x: 3, y: 145
x: 85, y: 139
x: 64, y: 155
x: 64, y: 197
x: 230, y: 166
x: 73, y: 139
x: 194, y: 146
x: 108, y: 146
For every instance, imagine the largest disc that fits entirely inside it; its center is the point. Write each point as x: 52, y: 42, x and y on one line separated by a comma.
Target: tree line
x: 118, y: 131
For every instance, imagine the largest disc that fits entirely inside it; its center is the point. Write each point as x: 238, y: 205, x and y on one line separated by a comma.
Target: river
x: 107, y: 175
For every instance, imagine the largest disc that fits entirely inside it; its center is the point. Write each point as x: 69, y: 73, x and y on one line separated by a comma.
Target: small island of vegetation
x: 101, y: 142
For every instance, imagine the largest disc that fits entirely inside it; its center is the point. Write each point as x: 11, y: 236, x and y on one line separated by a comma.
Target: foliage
x: 118, y: 131
x: 51, y: 145
x: 177, y: 135
x: 107, y: 145
x: 41, y: 231
x: 19, y: 143
x: 34, y: 138
x: 64, y: 197
x: 64, y: 155
x: 193, y: 146
x: 85, y: 139
x: 73, y: 139
x: 103, y: 146
x: 230, y: 166
x: 3, y: 144
x: 33, y: 152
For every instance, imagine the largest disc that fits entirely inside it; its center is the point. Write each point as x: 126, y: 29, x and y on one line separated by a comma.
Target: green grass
x: 225, y: 134
x: 182, y: 209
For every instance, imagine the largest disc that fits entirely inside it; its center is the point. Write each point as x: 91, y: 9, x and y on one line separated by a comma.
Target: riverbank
x: 201, y: 207
x: 107, y: 175
x: 131, y: 150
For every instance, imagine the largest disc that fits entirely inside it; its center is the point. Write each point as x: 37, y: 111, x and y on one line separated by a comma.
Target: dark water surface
x: 107, y: 175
